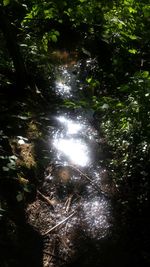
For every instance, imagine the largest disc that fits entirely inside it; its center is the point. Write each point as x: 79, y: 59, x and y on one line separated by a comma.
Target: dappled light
x: 74, y: 140
x: 68, y: 142
x: 62, y: 88
x: 74, y: 133
x: 72, y: 127
x: 75, y: 150
x: 97, y: 217
x: 64, y: 82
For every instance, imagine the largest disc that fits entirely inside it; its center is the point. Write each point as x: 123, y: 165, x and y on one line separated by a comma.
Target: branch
x: 88, y: 178
x: 46, y: 199
x: 57, y: 225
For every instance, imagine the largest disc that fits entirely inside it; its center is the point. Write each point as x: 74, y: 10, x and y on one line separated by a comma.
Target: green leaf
x: 146, y: 11
x: 131, y: 10
x: 57, y: 33
x: 105, y: 106
x: 69, y: 10
x: 124, y: 88
x: 49, y: 13
x: 119, y: 104
x: 45, y: 43
x: 132, y: 51
x: 54, y: 38
x: 145, y: 74
x: 6, y: 2
x: 89, y: 80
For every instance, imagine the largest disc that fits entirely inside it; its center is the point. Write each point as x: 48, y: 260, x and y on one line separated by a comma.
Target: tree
x: 10, y: 36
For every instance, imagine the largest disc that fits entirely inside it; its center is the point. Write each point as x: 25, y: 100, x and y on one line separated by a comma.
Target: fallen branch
x: 88, y: 178
x: 46, y: 199
x: 53, y: 256
x: 57, y: 225
x: 68, y: 203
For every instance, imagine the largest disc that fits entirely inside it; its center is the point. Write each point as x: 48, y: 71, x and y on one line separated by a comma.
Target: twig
x: 68, y: 203
x: 54, y: 256
x: 45, y: 198
x: 88, y: 178
x: 57, y: 225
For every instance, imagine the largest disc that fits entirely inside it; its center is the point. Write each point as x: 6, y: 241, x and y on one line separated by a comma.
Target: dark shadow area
x: 121, y: 248
x: 20, y: 243
x: 20, y: 246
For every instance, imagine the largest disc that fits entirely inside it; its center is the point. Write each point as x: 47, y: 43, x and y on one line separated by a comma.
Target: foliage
x: 114, y: 84
x: 123, y: 28
x: 125, y: 123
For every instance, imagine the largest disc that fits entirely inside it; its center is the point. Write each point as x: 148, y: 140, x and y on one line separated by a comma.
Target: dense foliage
x: 115, y: 33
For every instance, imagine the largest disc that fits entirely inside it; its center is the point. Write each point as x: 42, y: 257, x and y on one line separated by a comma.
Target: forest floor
x: 45, y: 215
x: 42, y: 214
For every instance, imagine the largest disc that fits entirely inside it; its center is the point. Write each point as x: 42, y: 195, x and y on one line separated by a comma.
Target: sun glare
x: 75, y: 150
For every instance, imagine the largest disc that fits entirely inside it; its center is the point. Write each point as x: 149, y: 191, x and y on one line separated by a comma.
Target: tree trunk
x: 13, y: 48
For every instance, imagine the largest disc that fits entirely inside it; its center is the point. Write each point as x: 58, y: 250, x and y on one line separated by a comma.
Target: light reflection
x: 96, y: 214
x: 63, y: 82
x: 72, y: 128
x: 94, y: 217
x: 75, y: 150
x: 62, y: 87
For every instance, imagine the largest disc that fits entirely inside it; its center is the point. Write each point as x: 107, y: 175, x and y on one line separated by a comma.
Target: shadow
x: 20, y: 243
x: 30, y: 251
x: 115, y: 250
x: 20, y: 246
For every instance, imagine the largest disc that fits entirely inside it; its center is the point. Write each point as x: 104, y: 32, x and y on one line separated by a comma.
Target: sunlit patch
x: 65, y: 72
x: 62, y: 88
x: 74, y: 139
x: 63, y: 82
x: 72, y: 127
x: 75, y: 150
x: 95, y: 215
